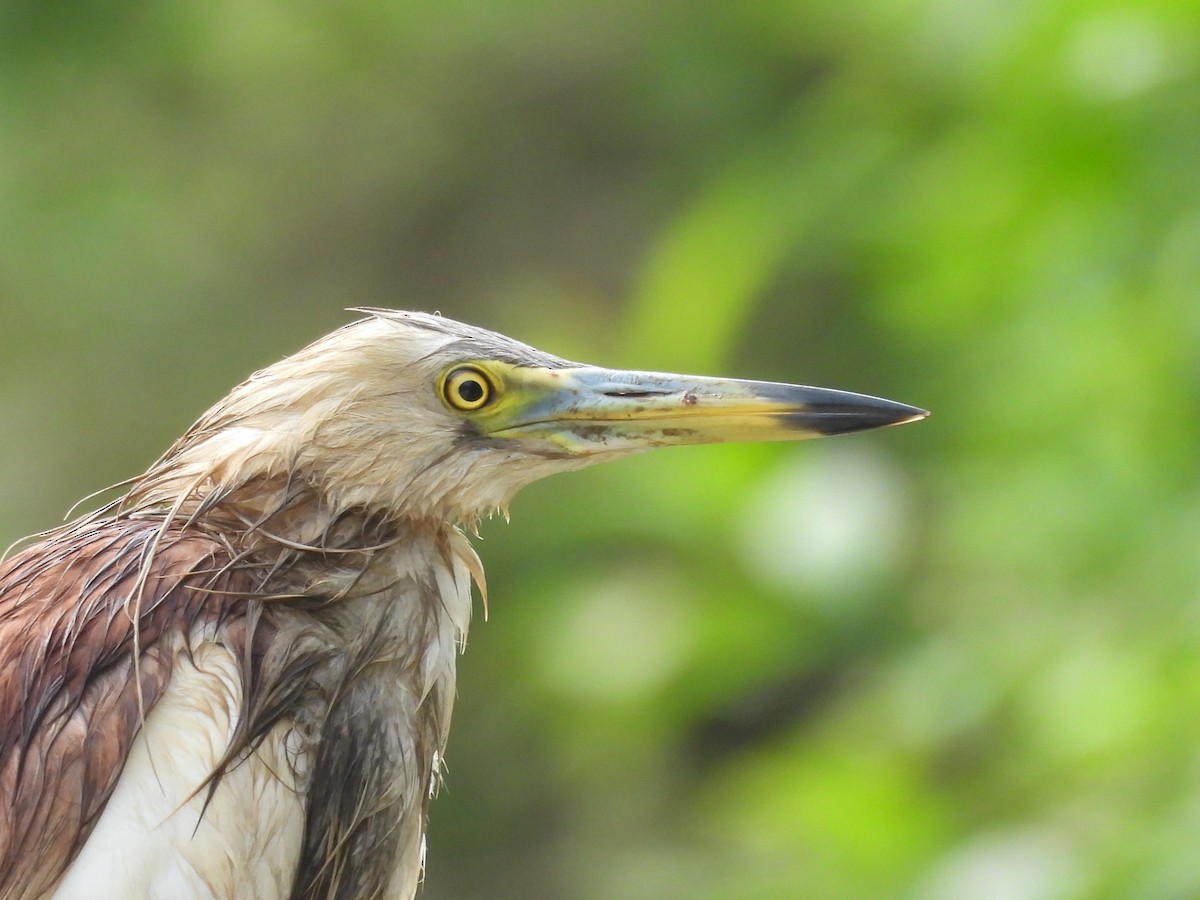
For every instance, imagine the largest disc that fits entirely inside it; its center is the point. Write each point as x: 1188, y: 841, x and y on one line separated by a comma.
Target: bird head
x: 419, y: 416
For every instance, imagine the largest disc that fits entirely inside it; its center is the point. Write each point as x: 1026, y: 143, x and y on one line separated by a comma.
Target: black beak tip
x: 872, y: 412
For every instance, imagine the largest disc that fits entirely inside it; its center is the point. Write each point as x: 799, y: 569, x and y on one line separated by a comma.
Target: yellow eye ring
x: 468, y: 389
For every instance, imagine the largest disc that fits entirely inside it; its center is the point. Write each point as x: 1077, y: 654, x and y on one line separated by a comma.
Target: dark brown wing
x: 71, y: 696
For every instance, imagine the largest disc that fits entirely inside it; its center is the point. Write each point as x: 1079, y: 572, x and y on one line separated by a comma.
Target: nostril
x: 634, y: 393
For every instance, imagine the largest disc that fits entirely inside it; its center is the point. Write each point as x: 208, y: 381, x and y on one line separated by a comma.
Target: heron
x: 236, y: 679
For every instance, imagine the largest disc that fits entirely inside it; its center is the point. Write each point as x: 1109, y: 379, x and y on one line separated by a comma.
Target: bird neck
x: 380, y: 605
x: 377, y: 740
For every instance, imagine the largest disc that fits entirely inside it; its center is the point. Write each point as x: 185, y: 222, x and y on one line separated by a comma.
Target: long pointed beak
x: 590, y: 410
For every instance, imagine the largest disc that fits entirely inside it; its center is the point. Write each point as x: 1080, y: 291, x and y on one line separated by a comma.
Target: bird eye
x: 467, y: 389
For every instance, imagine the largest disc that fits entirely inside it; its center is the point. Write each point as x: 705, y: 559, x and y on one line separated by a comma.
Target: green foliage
x: 955, y: 660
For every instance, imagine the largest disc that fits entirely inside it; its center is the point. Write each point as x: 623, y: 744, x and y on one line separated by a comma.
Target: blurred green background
x: 954, y: 660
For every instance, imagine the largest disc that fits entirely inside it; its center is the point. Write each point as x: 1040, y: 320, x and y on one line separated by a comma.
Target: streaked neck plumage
x: 375, y: 734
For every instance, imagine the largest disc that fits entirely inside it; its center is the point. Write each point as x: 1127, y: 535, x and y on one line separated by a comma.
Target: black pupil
x: 470, y: 390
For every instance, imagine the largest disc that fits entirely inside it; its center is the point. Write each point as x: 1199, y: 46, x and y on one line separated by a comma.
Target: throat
x: 377, y: 731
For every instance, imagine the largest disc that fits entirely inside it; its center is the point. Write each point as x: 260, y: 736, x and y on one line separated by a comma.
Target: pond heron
x: 236, y: 679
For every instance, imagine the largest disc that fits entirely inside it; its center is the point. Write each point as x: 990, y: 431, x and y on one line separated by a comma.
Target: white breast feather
x: 150, y: 840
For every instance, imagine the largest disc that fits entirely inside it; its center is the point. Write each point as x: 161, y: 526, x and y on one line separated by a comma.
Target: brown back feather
x: 72, y: 693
